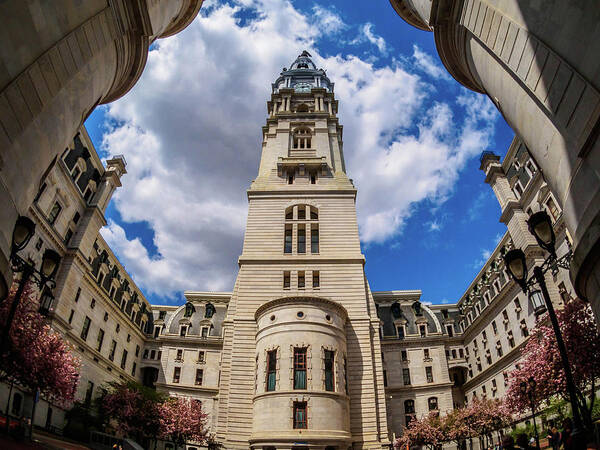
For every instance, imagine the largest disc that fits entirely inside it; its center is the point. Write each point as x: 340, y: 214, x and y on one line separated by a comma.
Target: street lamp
x: 22, y: 233
x: 540, y: 226
x: 528, y: 389
x: 537, y: 301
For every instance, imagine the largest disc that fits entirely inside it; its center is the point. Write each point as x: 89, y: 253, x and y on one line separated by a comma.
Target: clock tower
x: 301, y: 364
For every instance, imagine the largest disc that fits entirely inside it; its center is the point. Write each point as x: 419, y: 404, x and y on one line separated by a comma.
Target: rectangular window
x: 404, y: 355
x: 156, y: 332
x: 123, y: 359
x: 76, y: 218
x: 329, y: 372
x: 113, y: 349
x: 145, y: 354
x: 291, y: 179
x: 494, y: 327
x: 199, y: 375
x: 301, y: 280
x: 426, y: 353
x: 179, y: 356
x: 176, y: 374
x: 201, y: 356
x: 423, y: 330
x: 204, y: 332
x: 271, y: 370
x: 313, y: 178
x: 89, y: 392
x: 400, y: 331
x: 406, y: 376
x: 429, y: 374
x: 100, y: 339
x: 499, y: 349
x: 461, y: 352
x: 159, y: 355
x: 182, y: 331
x: 86, y: 328
x: 77, y: 295
x: 287, y: 246
x: 300, y: 368
x: 152, y: 354
x: 137, y: 351
x: 524, y: 330
x: 315, y: 279
x: 301, y: 239
x: 162, y: 315
x: 68, y: 236
x: 286, y: 280
x: 54, y: 212
x: 384, y: 378
x: 450, y: 330
x: 71, y: 316
x: 314, y: 239
x: 300, y: 421
x: 346, y: 387
x: 133, y: 369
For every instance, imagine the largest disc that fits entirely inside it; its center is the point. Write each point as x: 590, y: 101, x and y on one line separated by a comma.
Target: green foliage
x: 524, y: 429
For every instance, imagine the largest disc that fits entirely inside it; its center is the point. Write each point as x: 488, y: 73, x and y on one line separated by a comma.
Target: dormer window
x: 189, y: 309
x: 210, y: 311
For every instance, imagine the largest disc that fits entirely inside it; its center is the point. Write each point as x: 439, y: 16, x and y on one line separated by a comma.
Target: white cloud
x: 191, y: 133
x: 434, y: 225
x: 327, y: 20
x: 426, y: 63
x: 367, y: 35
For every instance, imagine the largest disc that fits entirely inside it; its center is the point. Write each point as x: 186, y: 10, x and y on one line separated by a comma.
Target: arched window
x: 433, y: 403
x: 302, y: 138
x: 300, y: 223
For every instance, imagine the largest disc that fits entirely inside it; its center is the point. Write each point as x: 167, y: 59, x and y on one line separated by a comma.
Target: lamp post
x: 22, y: 233
x: 528, y: 389
x: 540, y: 226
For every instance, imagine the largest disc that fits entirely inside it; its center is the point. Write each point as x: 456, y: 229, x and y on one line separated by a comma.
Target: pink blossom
x: 37, y: 357
x: 181, y: 420
x: 542, y: 361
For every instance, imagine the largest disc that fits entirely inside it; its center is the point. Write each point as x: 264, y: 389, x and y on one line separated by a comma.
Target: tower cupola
x: 302, y: 76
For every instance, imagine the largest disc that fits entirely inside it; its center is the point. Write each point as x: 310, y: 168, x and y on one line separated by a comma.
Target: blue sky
x: 191, y: 128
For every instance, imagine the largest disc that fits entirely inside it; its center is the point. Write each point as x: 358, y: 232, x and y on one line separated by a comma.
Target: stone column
x: 57, y: 65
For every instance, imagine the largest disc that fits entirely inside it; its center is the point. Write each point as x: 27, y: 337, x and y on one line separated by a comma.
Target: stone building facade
x: 538, y: 62
x: 59, y: 60
x: 301, y: 354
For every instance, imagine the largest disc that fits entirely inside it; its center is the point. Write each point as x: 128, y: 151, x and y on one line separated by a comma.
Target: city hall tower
x: 301, y: 364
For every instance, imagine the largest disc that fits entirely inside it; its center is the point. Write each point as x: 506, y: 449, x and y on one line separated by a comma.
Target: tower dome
x: 302, y: 76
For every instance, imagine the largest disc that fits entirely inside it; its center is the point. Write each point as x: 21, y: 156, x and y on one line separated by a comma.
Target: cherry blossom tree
x: 541, y: 359
x: 484, y: 416
x: 132, y: 409
x: 455, y: 426
x: 426, y: 431
x: 182, y: 420
x: 480, y: 418
x: 36, y: 357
